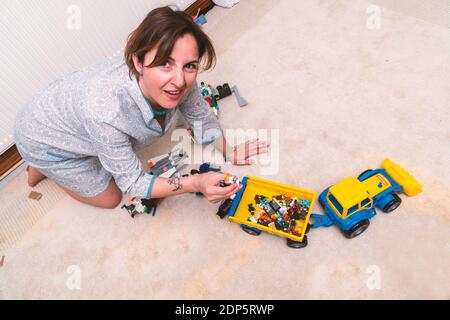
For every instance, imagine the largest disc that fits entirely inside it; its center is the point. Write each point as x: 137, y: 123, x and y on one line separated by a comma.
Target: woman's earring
x: 142, y: 73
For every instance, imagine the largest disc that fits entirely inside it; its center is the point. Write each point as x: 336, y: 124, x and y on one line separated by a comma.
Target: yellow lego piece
x: 258, y: 214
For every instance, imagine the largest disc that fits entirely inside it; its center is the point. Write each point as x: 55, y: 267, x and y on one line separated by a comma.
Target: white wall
x: 43, y: 39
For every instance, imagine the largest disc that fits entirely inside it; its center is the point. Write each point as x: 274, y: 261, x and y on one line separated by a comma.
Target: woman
x: 83, y: 129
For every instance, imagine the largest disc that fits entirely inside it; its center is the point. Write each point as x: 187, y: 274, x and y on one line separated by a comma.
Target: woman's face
x: 165, y: 85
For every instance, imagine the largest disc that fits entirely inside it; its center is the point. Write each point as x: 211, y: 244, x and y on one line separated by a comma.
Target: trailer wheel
x: 308, y: 227
x: 357, y: 229
x: 297, y: 244
x: 363, y: 173
x: 393, y: 204
x: 250, y: 231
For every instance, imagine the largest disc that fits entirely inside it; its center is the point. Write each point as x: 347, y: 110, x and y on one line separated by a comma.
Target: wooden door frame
x: 11, y: 157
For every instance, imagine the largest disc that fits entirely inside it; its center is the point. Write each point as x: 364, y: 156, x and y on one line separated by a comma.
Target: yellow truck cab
x: 348, y: 197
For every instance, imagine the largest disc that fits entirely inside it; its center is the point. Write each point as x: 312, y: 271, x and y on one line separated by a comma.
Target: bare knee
x: 114, y: 201
x: 111, y: 197
x: 108, y: 199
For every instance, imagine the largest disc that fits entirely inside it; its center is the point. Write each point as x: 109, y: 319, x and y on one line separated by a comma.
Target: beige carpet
x: 19, y: 214
x: 343, y: 97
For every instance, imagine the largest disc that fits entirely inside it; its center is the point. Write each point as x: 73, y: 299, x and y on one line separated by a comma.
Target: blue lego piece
x: 201, y: 20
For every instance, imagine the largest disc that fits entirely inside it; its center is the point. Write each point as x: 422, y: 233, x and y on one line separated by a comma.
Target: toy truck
x: 237, y: 209
x: 351, y: 203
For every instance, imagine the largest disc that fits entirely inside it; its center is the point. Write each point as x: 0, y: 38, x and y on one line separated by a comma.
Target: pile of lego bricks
x: 283, y: 213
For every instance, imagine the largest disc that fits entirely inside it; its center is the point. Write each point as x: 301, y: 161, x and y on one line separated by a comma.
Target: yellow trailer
x: 238, y: 212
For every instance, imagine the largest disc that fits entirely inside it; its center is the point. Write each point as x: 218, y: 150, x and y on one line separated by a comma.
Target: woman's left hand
x: 242, y: 152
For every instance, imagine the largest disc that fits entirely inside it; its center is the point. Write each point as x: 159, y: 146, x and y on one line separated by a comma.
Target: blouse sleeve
x: 115, y: 152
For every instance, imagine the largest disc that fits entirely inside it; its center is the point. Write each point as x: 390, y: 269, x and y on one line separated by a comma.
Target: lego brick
x: 35, y: 195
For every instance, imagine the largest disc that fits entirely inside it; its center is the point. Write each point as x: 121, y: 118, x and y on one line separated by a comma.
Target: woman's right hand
x: 208, y: 184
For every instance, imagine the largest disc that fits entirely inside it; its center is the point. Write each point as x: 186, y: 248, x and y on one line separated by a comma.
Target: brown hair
x: 162, y: 27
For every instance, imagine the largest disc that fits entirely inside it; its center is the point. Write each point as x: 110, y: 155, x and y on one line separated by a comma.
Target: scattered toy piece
x: 223, y: 91
x: 35, y: 195
x: 142, y: 205
x: 167, y: 165
x: 212, y: 96
x: 208, y: 94
x: 229, y: 180
x: 241, y: 101
x: 225, y: 208
x: 205, y: 167
x: 200, y: 20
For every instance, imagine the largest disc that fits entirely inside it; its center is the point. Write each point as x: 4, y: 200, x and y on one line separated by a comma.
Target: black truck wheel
x: 250, y: 231
x: 393, y: 204
x: 297, y: 244
x: 357, y: 229
x: 368, y: 170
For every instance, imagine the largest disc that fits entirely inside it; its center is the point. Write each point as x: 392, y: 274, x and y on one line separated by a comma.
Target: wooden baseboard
x: 11, y: 157
x: 204, y: 5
